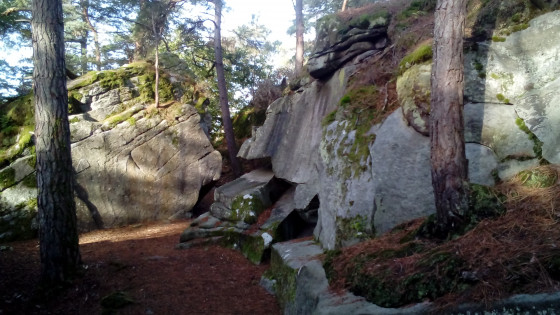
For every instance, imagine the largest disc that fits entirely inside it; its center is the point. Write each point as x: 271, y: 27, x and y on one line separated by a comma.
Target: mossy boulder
x: 414, y: 92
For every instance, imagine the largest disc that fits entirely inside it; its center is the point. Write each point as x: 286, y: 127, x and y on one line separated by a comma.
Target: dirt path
x: 141, y: 263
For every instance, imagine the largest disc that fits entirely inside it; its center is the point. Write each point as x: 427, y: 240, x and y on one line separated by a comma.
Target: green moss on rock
x: 247, y: 208
x: 7, y: 178
x: 421, y: 54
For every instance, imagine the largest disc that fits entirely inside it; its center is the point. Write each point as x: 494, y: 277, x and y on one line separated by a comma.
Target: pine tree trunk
x: 222, y: 88
x: 59, y: 250
x: 449, y: 165
x: 299, y: 37
x: 155, y: 29
x: 344, y: 3
x: 83, y: 57
x: 85, y: 16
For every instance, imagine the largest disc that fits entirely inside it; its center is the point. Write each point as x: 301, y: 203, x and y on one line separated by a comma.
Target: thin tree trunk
x: 83, y: 52
x: 224, y: 106
x: 58, y: 237
x: 344, y: 5
x: 449, y: 165
x: 156, y: 34
x: 85, y: 15
x: 299, y: 37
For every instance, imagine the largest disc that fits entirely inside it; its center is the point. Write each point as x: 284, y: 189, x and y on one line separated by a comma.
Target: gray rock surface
x: 149, y: 170
x: 346, y: 190
x: 494, y: 125
x: 292, y: 131
x: 402, y: 182
x: 339, y: 42
x: 526, y: 61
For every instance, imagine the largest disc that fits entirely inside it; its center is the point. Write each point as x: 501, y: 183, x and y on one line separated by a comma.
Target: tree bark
x: 58, y: 237
x: 449, y: 165
x: 344, y: 3
x: 299, y: 37
x: 222, y: 88
x: 157, y: 35
x: 83, y: 57
x: 85, y: 15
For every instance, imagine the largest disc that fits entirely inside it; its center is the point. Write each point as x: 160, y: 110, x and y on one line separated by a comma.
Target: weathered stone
x: 494, y: 126
x: 255, y: 181
x: 346, y: 190
x: 301, y: 287
x: 413, y: 88
x: 482, y: 164
x: 540, y: 111
x: 23, y: 167
x: 510, y: 168
x: 292, y: 131
x: 146, y: 171
x: 402, y: 182
x: 526, y: 61
x: 339, y: 42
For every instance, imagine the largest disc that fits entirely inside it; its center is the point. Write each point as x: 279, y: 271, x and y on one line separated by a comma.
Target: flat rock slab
x: 248, y: 183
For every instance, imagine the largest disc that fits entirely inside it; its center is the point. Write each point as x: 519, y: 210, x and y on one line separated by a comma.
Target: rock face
x: 132, y: 163
x: 523, y: 71
x: 232, y: 220
x: 511, y: 124
x: 339, y: 41
x: 292, y: 132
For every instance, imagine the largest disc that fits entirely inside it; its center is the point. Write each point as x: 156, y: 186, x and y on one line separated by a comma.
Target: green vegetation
x: 421, y: 54
x: 354, y: 228
x: 247, y: 208
x: 245, y: 119
x: 498, y: 39
x: 418, y: 7
x: 7, y: 178
x: 437, y: 273
x: 484, y: 203
x: 537, y: 143
x: 538, y: 178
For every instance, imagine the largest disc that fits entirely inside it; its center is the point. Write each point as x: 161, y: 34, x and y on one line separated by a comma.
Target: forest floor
x: 139, y: 267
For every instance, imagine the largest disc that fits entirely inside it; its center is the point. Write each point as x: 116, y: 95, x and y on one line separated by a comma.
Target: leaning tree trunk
x: 87, y: 20
x: 449, y: 165
x: 58, y: 237
x: 299, y: 37
x: 224, y: 106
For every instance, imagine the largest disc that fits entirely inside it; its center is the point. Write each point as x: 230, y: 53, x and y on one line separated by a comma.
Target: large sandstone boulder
x: 133, y: 163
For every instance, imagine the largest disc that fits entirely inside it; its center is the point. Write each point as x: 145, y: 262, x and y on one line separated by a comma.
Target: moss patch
x: 245, y: 119
x: 421, y: 54
x: 537, y: 143
x: 247, y: 208
x: 354, y: 228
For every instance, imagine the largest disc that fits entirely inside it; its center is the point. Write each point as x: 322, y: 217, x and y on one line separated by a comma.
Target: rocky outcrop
x: 522, y: 71
x: 339, y: 41
x: 232, y: 220
x: 133, y: 163
x: 292, y: 132
x: 369, y: 181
